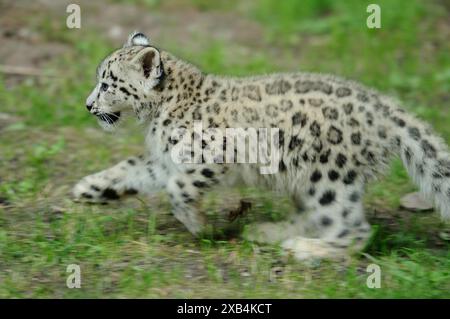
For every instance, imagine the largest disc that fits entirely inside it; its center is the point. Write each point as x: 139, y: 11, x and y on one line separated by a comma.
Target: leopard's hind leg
x: 330, y: 224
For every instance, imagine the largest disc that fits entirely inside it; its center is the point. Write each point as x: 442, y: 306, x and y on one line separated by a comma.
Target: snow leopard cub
x: 333, y: 136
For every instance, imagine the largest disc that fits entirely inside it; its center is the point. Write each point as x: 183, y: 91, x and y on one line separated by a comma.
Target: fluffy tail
x: 425, y: 156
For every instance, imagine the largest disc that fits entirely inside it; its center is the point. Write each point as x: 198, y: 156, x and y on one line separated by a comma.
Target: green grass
x: 136, y: 248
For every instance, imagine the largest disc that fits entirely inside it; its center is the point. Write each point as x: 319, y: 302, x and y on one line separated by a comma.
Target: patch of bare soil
x: 26, y: 44
x: 22, y: 45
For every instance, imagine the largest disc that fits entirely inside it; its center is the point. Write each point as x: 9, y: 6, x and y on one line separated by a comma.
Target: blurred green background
x: 136, y: 248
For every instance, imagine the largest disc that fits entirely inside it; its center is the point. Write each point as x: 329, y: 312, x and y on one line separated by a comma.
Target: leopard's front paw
x: 93, y: 189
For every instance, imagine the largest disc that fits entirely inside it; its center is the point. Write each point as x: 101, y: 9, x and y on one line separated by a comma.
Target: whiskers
x: 109, y: 120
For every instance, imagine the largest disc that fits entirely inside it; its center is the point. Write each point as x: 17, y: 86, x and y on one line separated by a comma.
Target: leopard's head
x: 127, y: 81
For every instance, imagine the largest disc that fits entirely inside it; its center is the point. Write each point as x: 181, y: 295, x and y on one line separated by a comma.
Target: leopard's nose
x: 89, y: 106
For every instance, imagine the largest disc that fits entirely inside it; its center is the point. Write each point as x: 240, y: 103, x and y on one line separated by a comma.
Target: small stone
x: 415, y: 202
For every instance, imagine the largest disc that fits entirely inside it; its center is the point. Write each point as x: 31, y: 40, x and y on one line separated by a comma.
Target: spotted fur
x: 335, y: 136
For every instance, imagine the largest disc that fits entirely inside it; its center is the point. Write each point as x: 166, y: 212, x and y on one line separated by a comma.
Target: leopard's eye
x: 104, y: 87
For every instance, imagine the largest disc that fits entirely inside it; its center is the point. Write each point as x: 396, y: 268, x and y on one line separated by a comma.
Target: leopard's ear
x: 137, y: 38
x: 148, y: 61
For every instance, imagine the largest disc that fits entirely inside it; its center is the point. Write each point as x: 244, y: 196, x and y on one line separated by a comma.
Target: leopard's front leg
x: 135, y: 175
x: 186, y: 189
